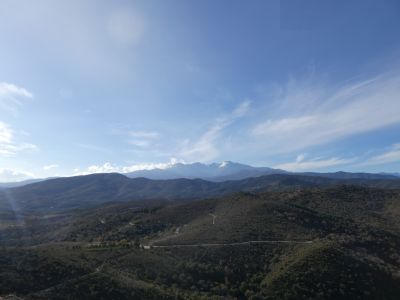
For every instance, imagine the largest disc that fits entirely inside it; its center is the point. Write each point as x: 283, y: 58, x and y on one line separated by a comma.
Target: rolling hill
x: 352, y: 235
x: 84, y: 191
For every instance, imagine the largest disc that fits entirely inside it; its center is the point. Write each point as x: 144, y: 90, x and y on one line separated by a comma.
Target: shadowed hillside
x: 85, y: 191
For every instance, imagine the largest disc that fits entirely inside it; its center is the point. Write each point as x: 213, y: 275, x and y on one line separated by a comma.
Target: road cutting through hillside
x: 228, y: 244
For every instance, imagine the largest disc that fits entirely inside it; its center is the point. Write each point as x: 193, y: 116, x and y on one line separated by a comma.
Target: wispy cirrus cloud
x: 11, y: 99
x: 8, y: 145
x: 50, y: 167
x: 392, y: 155
x: 9, y: 175
x: 12, y: 96
x: 302, y: 164
x: 312, y: 112
x: 205, y: 148
x: 143, y: 139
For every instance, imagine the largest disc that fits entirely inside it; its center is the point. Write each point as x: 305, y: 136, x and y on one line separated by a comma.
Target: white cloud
x: 7, y: 89
x: 284, y: 126
x: 8, y: 145
x: 8, y: 175
x: 143, y: 139
x: 50, y: 167
x: 151, y: 166
x: 241, y: 110
x: 205, y: 148
x: 140, y: 143
x: 11, y: 96
x: 111, y: 168
x: 105, y: 168
x: 390, y: 156
x: 8, y: 150
x: 144, y: 134
x: 312, y: 113
x: 301, y: 164
x: 6, y: 133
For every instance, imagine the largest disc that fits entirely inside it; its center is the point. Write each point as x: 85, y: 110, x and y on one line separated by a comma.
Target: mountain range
x: 218, y: 172
x: 226, y: 170
x: 275, y: 236
x: 5, y: 185
x: 89, y: 190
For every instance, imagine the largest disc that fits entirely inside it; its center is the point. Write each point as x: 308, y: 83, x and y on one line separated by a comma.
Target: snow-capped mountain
x: 226, y: 170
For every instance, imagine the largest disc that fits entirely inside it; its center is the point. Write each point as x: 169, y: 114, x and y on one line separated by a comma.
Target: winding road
x: 229, y: 244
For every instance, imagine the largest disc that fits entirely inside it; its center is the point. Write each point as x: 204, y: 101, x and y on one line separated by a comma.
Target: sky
x: 115, y: 86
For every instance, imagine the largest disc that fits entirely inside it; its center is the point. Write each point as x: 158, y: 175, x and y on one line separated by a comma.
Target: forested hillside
x: 338, y: 242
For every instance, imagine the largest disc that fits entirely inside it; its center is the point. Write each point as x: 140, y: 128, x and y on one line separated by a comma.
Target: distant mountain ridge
x: 226, y: 170
x: 6, y: 185
x: 219, y: 172
x: 85, y: 191
x: 350, y: 175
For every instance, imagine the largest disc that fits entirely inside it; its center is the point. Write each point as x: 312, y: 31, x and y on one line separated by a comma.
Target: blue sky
x: 99, y: 86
